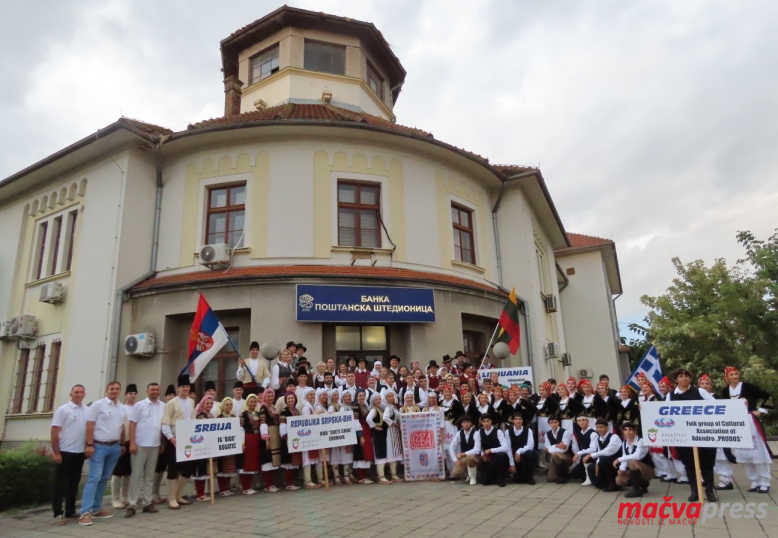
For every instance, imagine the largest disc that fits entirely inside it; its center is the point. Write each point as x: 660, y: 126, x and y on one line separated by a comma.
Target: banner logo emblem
x: 422, y: 439
x: 424, y: 459
x: 306, y: 301
x: 196, y: 439
x: 664, y: 422
x: 304, y: 432
x: 652, y: 435
x: 188, y: 451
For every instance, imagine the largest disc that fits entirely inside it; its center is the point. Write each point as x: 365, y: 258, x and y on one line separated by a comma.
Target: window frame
x: 51, y: 376
x: 37, y: 377
x: 358, y: 207
x: 55, y: 245
x: 273, y: 71
x: 21, y: 380
x: 227, y: 210
x: 71, y: 237
x: 379, y: 80
x: 459, y: 229
x: 326, y: 44
x: 470, y: 337
x: 43, y: 232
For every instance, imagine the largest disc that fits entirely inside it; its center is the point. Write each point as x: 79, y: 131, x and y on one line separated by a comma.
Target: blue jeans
x: 101, y: 466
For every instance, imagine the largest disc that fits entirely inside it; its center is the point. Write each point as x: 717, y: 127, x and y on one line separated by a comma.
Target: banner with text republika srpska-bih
x: 326, y: 430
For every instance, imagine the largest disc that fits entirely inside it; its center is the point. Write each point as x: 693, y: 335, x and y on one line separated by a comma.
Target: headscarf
x: 221, y: 405
x: 376, y: 369
x: 246, y: 402
x: 270, y: 408
x: 666, y: 381
x: 583, y: 383
x: 546, y: 386
x: 729, y: 369
x: 706, y: 377
x: 563, y: 386
x: 201, y: 405
x: 572, y: 378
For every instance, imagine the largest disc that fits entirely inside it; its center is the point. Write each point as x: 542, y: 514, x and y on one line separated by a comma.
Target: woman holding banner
x: 226, y: 463
x: 394, y: 444
x: 311, y: 457
x: 289, y: 460
x: 363, y: 450
x: 270, y: 439
x: 201, y: 474
x: 249, y: 421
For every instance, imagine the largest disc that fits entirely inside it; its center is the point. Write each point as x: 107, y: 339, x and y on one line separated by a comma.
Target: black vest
x: 518, y: 441
x: 602, y: 444
x: 464, y: 444
x: 692, y: 393
x: 629, y: 451
x: 584, y: 439
x: 553, y: 441
x: 284, y: 373
x: 489, y: 441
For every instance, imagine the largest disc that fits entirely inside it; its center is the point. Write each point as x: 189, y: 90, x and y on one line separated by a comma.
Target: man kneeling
x: 465, y: 451
x: 494, y: 453
x: 636, y: 468
x: 523, y: 451
x: 600, y: 466
x: 560, y: 449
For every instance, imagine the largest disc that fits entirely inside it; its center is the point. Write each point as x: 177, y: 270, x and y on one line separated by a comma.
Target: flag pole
x: 486, y: 353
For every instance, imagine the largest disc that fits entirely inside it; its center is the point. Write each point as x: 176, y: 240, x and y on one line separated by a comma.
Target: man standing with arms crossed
x: 145, y: 438
x: 68, y: 439
x: 104, y: 445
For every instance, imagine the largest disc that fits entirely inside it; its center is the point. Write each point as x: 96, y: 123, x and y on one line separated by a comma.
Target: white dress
x: 394, y: 444
x: 340, y: 455
x: 759, y: 454
x: 308, y: 458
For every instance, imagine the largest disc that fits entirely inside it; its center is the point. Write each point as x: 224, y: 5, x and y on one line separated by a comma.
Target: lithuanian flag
x: 510, y: 333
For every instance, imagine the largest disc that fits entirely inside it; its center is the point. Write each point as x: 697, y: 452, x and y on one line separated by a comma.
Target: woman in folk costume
x: 318, y: 379
x: 572, y: 388
x: 587, y: 397
x: 627, y: 410
x: 546, y: 406
x: 321, y: 407
x: 339, y: 455
x: 340, y: 378
x: 311, y: 457
x: 270, y: 439
x: 410, y: 404
x: 513, y: 404
x: 227, y: 467
x: 346, y: 452
x: 452, y: 410
x: 569, y: 408
x: 661, y: 463
x: 500, y: 406
x: 483, y: 408
x: 363, y: 451
x: 394, y: 444
x: 289, y: 460
x: 434, y: 407
x: 375, y: 420
x: 676, y: 470
x: 756, y: 461
x: 201, y: 474
x: 724, y: 457
x: 249, y: 421
x: 605, y: 405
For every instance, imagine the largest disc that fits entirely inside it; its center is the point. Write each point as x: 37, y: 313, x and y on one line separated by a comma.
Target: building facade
x: 306, y: 183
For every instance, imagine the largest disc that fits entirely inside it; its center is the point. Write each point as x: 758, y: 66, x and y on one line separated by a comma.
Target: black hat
x: 183, y: 380
x: 300, y: 345
x: 628, y: 424
x: 601, y: 421
x: 132, y: 387
x: 554, y: 417
x: 170, y: 390
x: 254, y: 345
x: 446, y: 358
x: 432, y: 363
x: 391, y: 357
x: 303, y: 359
x: 210, y: 385
x: 291, y: 344
x: 459, y: 354
x: 463, y: 418
x: 302, y: 371
x: 361, y: 359
x: 237, y: 385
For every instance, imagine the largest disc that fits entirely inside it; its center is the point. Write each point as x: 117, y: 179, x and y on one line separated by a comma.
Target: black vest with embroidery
x: 284, y: 373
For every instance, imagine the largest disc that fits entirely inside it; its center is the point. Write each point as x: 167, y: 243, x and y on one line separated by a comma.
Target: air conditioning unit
x: 5, y: 330
x: 215, y: 255
x: 550, y: 303
x: 23, y: 327
x: 567, y: 359
x: 52, y: 292
x: 143, y: 345
x: 552, y: 350
x: 585, y: 373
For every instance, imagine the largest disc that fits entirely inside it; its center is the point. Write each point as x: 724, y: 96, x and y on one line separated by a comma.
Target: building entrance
x: 362, y: 341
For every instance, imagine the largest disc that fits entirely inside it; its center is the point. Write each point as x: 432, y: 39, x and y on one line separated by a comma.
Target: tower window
x: 325, y: 57
x: 462, y: 220
x: 375, y: 81
x: 358, y: 214
x: 264, y: 64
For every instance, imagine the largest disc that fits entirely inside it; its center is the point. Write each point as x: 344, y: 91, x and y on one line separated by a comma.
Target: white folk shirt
x: 639, y: 453
x: 455, y: 448
x: 505, y: 445
x: 610, y: 449
x: 147, y: 416
x: 109, y: 419
x: 566, y: 439
x: 530, y: 440
x: 71, y: 419
x: 253, y: 367
x: 592, y: 443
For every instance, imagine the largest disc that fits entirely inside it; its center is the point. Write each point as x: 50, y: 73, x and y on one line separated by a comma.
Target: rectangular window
x: 264, y: 64
x: 56, y: 233
x: 21, y: 380
x: 70, y: 238
x: 358, y: 215
x: 325, y: 57
x: 42, y: 232
x: 375, y: 81
x: 51, y: 377
x: 226, y: 215
x: 464, y: 247
x: 542, y: 273
x: 473, y: 344
x: 37, y: 377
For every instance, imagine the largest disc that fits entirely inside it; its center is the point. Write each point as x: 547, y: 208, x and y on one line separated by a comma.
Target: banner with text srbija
x: 422, y: 445
x: 200, y: 439
x: 700, y: 423
x: 326, y: 430
x: 510, y: 377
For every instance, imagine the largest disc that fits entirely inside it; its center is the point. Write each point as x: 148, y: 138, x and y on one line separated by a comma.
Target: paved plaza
x: 414, y: 509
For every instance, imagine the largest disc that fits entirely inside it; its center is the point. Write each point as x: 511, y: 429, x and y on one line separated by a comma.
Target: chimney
x: 232, y: 95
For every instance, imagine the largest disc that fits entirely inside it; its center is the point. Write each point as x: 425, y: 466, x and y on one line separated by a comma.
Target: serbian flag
x: 206, y: 338
x: 510, y: 333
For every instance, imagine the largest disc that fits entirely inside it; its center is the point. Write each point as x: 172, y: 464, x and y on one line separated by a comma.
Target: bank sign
x: 365, y: 304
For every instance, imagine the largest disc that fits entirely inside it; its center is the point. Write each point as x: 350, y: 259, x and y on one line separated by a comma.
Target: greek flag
x: 648, y: 366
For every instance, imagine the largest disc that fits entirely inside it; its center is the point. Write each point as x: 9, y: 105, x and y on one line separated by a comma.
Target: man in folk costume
x: 253, y: 371
x: 159, y: 471
x: 756, y: 461
x: 421, y: 393
x: 68, y: 440
x: 361, y: 375
x: 599, y: 464
x: 524, y: 459
x: 635, y: 466
x: 495, y: 450
x: 410, y: 384
x: 674, y: 468
x: 145, y: 440
x: 559, y: 447
x: 178, y: 473
x: 237, y: 398
x: 120, y: 482
x: 433, y: 379
x: 458, y: 367
x: 350, y: 387
x: 584, y: 443
x: 465, y: 451
x: 394, y: 365
x: 282, y: 371
x: 683, y: 392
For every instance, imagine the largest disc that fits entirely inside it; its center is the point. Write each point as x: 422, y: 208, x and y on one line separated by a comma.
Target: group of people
x: 491, y: 433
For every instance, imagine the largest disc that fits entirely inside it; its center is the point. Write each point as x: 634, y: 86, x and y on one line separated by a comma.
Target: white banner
x: 422, y: 446
x: 510, y: 377
x: 326, y: 430
x: 199, y: 439
x: 700, y: 423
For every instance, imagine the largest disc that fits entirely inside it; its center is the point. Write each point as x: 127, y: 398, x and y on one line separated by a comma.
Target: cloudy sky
x: 655, y: 123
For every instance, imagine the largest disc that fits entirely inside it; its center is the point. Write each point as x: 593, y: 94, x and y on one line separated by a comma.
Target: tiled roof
x: 148, y: 128
x: 312, y: 112
x: 510, y: 169
x: 580, y: 241
x: 292, y: 271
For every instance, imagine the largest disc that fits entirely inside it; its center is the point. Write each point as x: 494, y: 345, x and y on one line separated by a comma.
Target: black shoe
x: 665, y: 479
x: 531, y: 481
x: 562, y: 480
x: 130, y: 512
x: 633, y: 494
x: 693, y: 498
x: 763, y: 489
x: 610, y: 489
x: 727, y: 487
x: 710, y: 494
x: 753, y: 490
x: 501, y: 482
x: 683, y: 482
x: 644, y: 488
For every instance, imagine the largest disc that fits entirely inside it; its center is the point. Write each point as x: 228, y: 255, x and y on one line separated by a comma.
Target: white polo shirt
x: 108, y: 418
x: 147, y: 416
x: 71, y: 418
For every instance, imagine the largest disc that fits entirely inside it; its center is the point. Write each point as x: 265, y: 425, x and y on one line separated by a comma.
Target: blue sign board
x: 365, y: 304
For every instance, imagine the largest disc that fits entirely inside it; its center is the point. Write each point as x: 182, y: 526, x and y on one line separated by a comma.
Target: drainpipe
x: 121, y: 294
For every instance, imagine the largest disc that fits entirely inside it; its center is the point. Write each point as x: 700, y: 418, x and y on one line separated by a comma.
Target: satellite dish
x: 501, y: 350
x: 270, y: 350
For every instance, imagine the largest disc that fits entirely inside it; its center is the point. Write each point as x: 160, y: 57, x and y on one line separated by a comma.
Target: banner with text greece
x: 701, y: 423
x: 422, y: 446
x: 326, y: 430
x: 365, y: 304
x: 510, y: 377
x: 200, y: 439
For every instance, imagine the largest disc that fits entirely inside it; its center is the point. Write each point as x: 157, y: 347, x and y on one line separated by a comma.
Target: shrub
x: 26, y: 476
